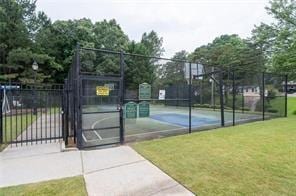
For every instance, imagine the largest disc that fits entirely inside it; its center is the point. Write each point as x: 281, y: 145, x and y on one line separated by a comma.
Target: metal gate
x: 101, y: 111
x: 93, y: 112
x: 30, y: 113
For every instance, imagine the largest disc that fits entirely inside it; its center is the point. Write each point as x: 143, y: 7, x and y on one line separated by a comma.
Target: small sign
x: 161, y: 95
x: 102, y: 90
x: 145, y: 91
x: 131, y: 110
x: 110, y: 86
x: 144, y: 109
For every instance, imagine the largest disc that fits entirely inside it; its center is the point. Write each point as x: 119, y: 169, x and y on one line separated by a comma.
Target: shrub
x: 272, y: 110
x: 294, y: 112
x: 245, y: 109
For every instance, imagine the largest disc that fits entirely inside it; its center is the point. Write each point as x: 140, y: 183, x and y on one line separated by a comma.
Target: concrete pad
x: 139, y: 178
x: 39, y: 168
x: 95, y: 160
x: 30, y: 150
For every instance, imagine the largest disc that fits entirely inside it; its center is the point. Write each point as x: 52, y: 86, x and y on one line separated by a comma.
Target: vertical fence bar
x: 31, y: 114
x: 46, y: 111
x: 21, y: 118
x: 36, y: 113
x: 60, y: 114
x: 221, y: 97
x: 50, y: 104
x: 121, y: 94
x: 11, y: 117
x: 27, y: 130
x: 233, y: 98
x: 263, y: 96
x: 77, y: 98
x: 53, y: 88
x: 15, y: 105
x: 5, y: 118
x: 243, y: 99
x: 190, y: 96
x: 41, y: 110
x: 1, y: 115
x: 67, y: 114
x: 286, y: 95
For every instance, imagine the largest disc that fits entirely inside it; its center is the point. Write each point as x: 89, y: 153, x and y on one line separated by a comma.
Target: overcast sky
x: 183, y: 24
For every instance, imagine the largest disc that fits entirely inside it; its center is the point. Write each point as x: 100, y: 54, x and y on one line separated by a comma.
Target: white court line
x: 84, y: 138
x: 98, y: 135
x: 93, y: 127
x: 98, y: 121
x: 104, y: 139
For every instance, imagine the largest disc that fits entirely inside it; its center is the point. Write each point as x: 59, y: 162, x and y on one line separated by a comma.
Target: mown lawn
x: 67, y: 186
x: 251, y: 159
x: 12, y: 127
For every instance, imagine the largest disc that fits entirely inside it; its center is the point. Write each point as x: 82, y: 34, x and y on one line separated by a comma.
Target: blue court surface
x: 183, y: 120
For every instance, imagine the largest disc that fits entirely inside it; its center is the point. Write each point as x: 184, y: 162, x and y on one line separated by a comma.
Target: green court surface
x: 103, y: 128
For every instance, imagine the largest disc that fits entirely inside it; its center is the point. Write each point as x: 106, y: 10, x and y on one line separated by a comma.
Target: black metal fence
x: 30, y: 113
x: 105, y: 102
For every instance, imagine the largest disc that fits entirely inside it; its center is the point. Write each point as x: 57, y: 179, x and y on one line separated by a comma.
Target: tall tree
x: 278, y: 39
x: 19, y: 24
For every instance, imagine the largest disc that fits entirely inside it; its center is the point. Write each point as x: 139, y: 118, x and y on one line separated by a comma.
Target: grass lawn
x: 67, y: 186
x: 12, y: 126
x: 251, y: 159
x: 12, y: 130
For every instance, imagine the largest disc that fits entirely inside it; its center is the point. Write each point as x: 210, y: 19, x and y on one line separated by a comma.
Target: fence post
x: 77, y: 94
x: 221, y: 97
x: 190, y: 96
x: 286, y: 95
x: 121, y: 94
x: 233, y: 98
x: 65, y: 113
x: 243, y: 99
x: 1, y: 116
x: 263, y: 96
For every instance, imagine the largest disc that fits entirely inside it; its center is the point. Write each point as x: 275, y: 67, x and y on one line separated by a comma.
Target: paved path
x: 110, y: 171
x: 45, y: 127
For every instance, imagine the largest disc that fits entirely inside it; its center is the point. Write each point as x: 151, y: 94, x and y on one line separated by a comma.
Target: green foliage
x: 294, y: 112
x: 172, y: 72
x: 26, y: 35
x: 278, y: 39
x: 230, y: 51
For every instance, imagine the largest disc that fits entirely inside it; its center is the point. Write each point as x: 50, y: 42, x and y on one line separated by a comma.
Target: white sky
x: 183, y: 24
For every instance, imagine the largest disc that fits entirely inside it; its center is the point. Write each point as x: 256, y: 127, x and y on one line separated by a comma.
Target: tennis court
x: 107, y: 102
x: 103, y: 128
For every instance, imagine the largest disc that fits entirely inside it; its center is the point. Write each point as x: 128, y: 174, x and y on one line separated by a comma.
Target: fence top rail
x: 219, y: 68
x: 19, y: 85
x: 135, y: 55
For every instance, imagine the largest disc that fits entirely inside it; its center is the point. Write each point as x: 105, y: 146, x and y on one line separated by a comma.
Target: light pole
x: 35, y: 68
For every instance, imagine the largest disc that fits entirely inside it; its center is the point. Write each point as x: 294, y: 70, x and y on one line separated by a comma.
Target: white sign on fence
x: 161, y: 95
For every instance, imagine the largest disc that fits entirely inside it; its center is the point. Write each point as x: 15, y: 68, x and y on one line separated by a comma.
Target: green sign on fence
x: 131, y: 110
x: 144, y: 109
x: 144, y: 91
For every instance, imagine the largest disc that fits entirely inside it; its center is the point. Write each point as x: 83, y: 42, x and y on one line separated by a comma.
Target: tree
x: 172, y: 72
x: 19, y: 23
x: 143, y: 69
x: 230, y: 52
x: 278, y: 39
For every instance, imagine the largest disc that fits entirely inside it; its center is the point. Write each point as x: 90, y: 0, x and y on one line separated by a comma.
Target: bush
x: 245, y: 109
x: 294, y: 112
x: 272, y: 110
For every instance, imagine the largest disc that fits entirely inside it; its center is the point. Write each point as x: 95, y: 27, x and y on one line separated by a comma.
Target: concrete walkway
x: 111, y: 171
